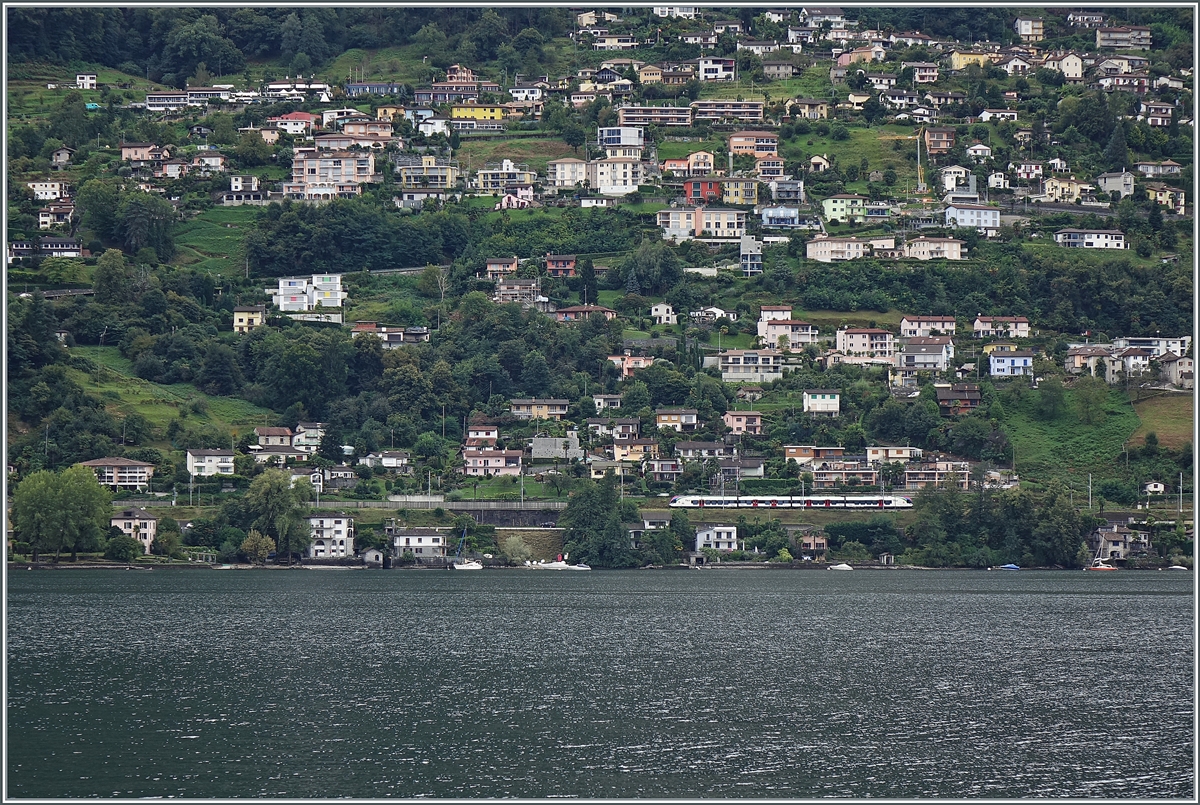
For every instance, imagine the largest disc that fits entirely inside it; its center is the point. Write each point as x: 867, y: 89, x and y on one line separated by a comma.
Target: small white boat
x: 1100, y: 564
x: 558, y: 564
x: 464, y: 564
x: 1177, y: 567
x: 840, y: 566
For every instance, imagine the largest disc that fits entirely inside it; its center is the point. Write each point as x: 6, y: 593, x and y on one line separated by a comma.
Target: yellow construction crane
x: 920, y: 168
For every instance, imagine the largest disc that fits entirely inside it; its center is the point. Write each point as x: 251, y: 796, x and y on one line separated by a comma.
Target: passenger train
x: 790, y: 502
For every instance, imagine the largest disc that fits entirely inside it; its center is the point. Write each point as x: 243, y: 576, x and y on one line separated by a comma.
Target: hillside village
x: 718, y: 172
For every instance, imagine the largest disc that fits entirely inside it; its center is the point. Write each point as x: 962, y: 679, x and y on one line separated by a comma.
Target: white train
x: 790, y: 502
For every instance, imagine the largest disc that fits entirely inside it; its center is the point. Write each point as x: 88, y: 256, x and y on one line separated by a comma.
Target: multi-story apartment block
x: 923, y: 72
x: 1000, y: 327
x: 324, y: 175
x: 939, y: 140
x: 751, y: 365
x: 845, y: 207
x: 685, y: 223
x: 739, y: 191
x: 758, y: 143
x: 1030, y: 29
x: 912, y: 326
x: 138, y: 524
x: 535, y: 408
x: 719, y: 111
x: 566, y: 172
x: 428, y: 172
x: 1011, y: 363
x: 622, y: 141
x: 121, y: 473
x: 985, y: 220
x: 740, y: 422
x: 939, y: 474
x: 654, y: 116
x: 1129, y: 37
x: 825, y: 249
x: 614, y: 176
x: 491, y: 462
x: 929, y: 248
x: 872, y: 342
x: 494, y: 178
x: 209, y: 462
x: 332, y: 535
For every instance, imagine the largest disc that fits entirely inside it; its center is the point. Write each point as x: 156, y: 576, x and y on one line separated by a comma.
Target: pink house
x: 560, y: 265
x: 628, y: 364
x: 491, y: 462
x: 743, y: 422
x: 582, y: 312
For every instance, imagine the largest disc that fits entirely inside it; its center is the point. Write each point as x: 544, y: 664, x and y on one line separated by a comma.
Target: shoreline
x: 14, y: 565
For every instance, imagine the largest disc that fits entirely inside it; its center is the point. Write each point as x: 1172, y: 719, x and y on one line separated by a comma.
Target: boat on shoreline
x: 464, y: 564
x: 559, y: 563
x: 840, y: 566
x: 1099, y: 564
x: 1009, y: 566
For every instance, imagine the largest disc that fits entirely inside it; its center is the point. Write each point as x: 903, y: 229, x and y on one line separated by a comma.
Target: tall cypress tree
x: 1116, y: 153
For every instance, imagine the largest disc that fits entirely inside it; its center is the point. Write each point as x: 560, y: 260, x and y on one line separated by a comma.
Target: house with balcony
x: 869, y: 342
x: 786, y: 334
x: 686, y: 223
x: 482, y: 462
x: 628, y: 364
x: 751, y: 365
x: 137, y: 524
x: 617, y: 428
x: 1172, y: 198
x: 654, y: 116
x: 331, y: 535
x: 683, y: 420
x: 560, y: 265
x: 121, y: 473
x: 1011, y: 363
x: 209, y: 462
x: 422, y: 543
x: 939, y: 140
x: 983, y: 219
x: 939, y: 474
x: 889, y: 454
x: 956, y: 399
x: 837, y: 474
x: 808, y: 108
x: 845, y: 207
x: 1179, y: 371
x: 930, y: 354
x: 325, y: 175
x: 740, y: 422
x: 1000, y: 327
x: 913, y: 326
x: 539, y: 408
x: 930, y: 248
x: 923, y: 72
x: 727, y: 111
x: 1091, y: 239
x: 822, y: 402
x: 739, y: 191
x: 574, y: 313
x: 268, y: 436
x: 807, y: 453
x: 757, y: 143
x: 722, y: 538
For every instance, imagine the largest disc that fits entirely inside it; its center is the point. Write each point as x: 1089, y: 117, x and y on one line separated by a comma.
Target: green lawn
x: 1065, y: 448
x: 677, y: 150
x: 874, y: 144
x: 535, y: 152
x: 212, y: 241
x: 1169, y: 417
x: 115, y: 382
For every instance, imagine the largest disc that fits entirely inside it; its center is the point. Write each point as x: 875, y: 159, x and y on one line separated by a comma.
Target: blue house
x: 1013, y: 363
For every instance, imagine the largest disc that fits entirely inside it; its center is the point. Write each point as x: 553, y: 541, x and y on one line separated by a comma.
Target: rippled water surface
x: 721, y: 683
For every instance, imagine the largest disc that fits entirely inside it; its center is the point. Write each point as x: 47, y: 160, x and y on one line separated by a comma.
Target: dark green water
x: 719, y: 683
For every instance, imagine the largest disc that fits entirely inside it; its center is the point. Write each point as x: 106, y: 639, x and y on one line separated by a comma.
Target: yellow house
x: 247, y: 318
x: 1066, y: 190
x: 739, y: 191
x: 635, y: 450
x: 534, y: 408
x: 999, y: 346
x: 959, y: 60
x: 389, y: 112
x: 650, y: 74
x: 477, y: 111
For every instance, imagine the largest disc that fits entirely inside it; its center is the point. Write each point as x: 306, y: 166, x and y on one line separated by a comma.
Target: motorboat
x: 1009, y: 566
x: 840, y: 566
x: 559, y: 563
x: 1178, y: 567
x: 1100, y: 564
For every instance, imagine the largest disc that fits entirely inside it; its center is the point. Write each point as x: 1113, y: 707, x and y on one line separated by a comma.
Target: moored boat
x: 1100, y: 564
x: 840, y: 566
x: 559, y: 563
x: 1009, y: 566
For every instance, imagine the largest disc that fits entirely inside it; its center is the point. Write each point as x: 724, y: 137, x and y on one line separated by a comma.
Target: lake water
x: 682, y: 684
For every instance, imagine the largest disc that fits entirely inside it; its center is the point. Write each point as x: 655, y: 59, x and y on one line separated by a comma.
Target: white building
x: 870, y: 342
x: 137, y: 524
x: 332, y: 535
x: 422, y: 543
x: 209, y: 462
x: 986, y: 220
x: 751, y: 365
x: 1012, y: 363
x: 1091, y: 238
x: 664, y: 314
x: 717, y: 537
x: 822, y: 402
x: 308, y: 293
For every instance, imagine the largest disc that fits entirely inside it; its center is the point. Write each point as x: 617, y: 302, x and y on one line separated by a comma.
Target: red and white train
x: 790, y: 502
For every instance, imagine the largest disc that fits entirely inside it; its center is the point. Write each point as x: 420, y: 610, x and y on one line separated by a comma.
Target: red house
x: 701, y: 190
x: 560, y: 265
